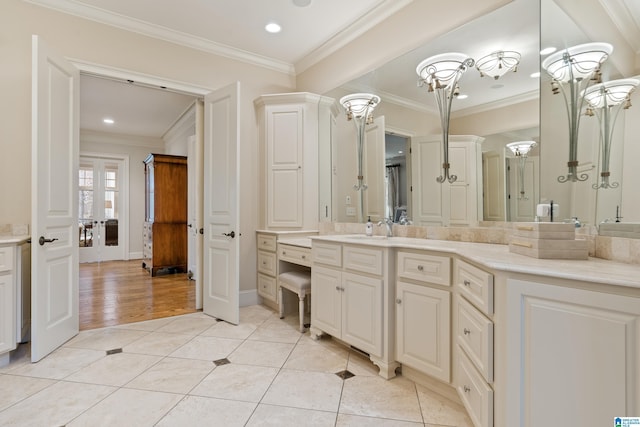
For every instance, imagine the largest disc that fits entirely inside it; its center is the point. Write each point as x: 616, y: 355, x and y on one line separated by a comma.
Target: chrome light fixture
x: 576, y: 68
x: 498, y: 63
x: 359, y: 108
x: 521, y: 150
x: 440, y: 73
x: 605, y: 100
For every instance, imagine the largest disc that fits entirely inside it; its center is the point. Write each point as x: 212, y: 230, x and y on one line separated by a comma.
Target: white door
x: 374, y: 170
x: 102, y: 184
x: 54, y: 217
x: 221, y: 233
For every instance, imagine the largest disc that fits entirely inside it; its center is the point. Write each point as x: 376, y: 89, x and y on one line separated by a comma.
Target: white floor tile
x: 345, y: 420
x: 323, y: 356
x: 279, y: 416
x: 15, y: 388
x: 147, y: 325
x: 198, y: 411
x: 237, y: 382
x: 158, y: 343
x: 227, y: 330
x: 188, y: 325
x: 306, y: 390
x: 127, y: 407
x: 116, y: 370
x: 60, y: 364
x: 437, y: 410
x: 207, y: 348
x: 173, y: 375
x: 105, y: 339
x: 262, y: 353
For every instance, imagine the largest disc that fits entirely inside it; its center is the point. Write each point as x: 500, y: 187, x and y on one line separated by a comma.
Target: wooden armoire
x: 165, y: 226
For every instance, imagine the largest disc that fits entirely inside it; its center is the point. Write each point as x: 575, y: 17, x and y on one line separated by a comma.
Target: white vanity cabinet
x: 572, y: 353
x: 474, y: 338
x: 7, y: 303
x: 267, y: 267
x: 350, y: 299
x: 294, y: 128
x: 423, y: 312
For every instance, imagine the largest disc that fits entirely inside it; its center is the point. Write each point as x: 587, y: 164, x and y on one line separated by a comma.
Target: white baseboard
x: 135, y: 255
x: 249, y: 298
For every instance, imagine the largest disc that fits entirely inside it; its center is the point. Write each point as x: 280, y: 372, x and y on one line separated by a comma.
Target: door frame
x: 124, y: 193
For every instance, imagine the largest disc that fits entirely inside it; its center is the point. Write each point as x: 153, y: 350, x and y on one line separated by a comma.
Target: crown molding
x: 500, y: 103
x: 102, y: 16
x: 622, y: 17
x: 379, y: 13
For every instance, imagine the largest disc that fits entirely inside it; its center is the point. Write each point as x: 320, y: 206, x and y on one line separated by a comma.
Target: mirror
x: 564, y: 25
x: 494, y: 113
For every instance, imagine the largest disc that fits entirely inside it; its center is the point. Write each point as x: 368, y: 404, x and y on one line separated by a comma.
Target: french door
x: 101, y: 208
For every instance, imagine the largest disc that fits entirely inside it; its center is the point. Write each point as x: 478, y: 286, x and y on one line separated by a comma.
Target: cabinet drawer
x: 424, y: 268
x: 267, y: 242
x: 475, y: 393
x: 267, y: 287
x: 6, y: 259
x: 362, y: 259
x: 294, y: 254
x: 476, y: 285
x: 267, y: 263
x: 326, y: 253
x: 475, y: 336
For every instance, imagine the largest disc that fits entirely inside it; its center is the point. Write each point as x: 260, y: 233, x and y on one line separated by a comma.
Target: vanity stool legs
x: 298, y: 282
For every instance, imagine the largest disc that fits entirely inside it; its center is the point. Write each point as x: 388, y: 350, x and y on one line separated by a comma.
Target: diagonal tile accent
x: 345, y: 375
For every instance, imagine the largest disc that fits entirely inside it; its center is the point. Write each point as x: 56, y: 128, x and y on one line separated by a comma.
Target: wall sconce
x: 576, y: 67
x: 359, y: 108
x: 498, y: 63
x: 606, y: 100
x: 440, y: 73
x: 521, y: 150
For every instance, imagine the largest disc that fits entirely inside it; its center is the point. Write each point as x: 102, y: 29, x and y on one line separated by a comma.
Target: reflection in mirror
x: 491, y: 107
x: 565, y: 24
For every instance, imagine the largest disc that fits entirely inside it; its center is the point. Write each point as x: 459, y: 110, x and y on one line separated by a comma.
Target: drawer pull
x: 264, y: 262
x: 398, y: 301
x: 338, y: 288
x: 466, y: 389
x: 467, y: 283
x: 467, y: 331
x: 304, y: 257
x: 420, y: 268
x: 524, y: 227
x: 523, y: 244
x: 284, y: 252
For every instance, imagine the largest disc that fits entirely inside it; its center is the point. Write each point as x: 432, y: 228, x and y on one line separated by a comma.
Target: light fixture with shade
x: 521, y: 150
x: 359, y: 108
x: 605, y: 100
x: 498, y: 63
x: 440, y: 73
x: 577, y: 68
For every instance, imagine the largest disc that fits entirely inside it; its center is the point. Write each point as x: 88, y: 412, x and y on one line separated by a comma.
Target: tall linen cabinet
x: 295, y: 148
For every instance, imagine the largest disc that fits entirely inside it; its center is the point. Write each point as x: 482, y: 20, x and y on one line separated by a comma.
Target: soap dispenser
x: 369, y: 227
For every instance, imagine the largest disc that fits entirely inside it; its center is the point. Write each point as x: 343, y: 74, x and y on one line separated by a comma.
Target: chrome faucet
x: 389, y: 224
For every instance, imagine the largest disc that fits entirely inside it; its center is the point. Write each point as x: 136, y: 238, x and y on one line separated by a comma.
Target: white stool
x: 298, y: 282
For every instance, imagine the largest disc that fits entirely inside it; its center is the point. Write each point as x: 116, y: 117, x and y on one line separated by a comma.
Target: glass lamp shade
x: 497, y: 64
x: 521, y: 148
x: 609, y: 93
x: 576, y: 62
x: 359, y: 105
x: 442, y: 70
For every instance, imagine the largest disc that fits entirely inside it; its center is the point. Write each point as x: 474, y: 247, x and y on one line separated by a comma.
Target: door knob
x: 42, y: 240
x: 232, y: 234
x: 190, y: 225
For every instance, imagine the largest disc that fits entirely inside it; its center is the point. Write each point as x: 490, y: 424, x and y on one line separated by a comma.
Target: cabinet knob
x: 467, y: 283
x: 466, y: 389
x: 420, y: 268
x: 466, y: 331
x: 284, y: 252
x: 304, y: 257
x: 398, y: 301
x: 337, y: 288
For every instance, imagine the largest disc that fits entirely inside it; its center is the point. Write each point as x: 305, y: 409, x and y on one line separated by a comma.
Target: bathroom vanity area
x: 523, y: 341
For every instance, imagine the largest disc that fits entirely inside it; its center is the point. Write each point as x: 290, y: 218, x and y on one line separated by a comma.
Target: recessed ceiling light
x: 400, y: 151
x: 547, y: 50
x: 535, y: 75
x: 108, y: 121
x: 462, y: 96
x: 272, y: 27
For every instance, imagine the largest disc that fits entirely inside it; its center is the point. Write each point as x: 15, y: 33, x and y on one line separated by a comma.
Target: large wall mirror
x: 517, y: 106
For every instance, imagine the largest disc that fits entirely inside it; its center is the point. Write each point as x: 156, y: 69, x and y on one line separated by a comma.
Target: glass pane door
x: 85, y: 205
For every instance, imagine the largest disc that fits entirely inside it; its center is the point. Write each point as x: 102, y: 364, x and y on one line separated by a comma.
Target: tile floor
x: 191, y: 370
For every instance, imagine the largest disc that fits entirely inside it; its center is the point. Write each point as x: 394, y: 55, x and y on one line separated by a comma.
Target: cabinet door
x: 326, y: 297
x: 7, y: 313
x: 576, y: 354
x: 362, y: 312
x: 284, y: 139
x: 423, y: 329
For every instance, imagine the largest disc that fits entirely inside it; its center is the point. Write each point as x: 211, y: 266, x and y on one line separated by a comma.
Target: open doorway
x: 124, y: 121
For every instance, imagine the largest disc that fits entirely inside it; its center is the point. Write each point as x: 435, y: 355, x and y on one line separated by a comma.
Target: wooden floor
x: 117, y: 292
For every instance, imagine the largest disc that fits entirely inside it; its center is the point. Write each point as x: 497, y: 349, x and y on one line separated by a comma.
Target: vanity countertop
x: 13, y: 240
x: 498, y: 257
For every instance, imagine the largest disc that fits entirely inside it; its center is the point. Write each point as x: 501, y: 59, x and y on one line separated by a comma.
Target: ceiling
x: 309, y: 33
